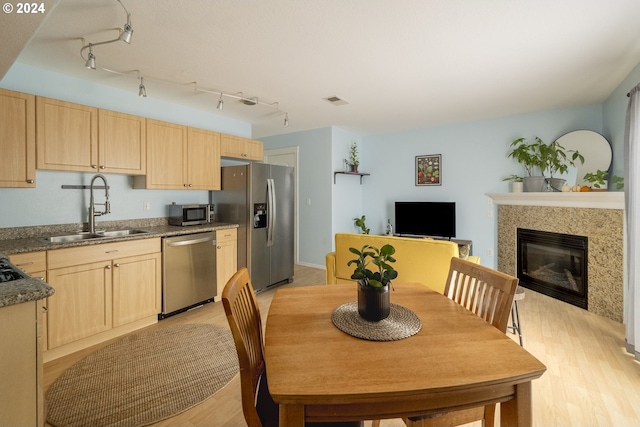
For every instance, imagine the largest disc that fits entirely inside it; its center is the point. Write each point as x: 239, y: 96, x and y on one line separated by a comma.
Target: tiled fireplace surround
x: 597, y: 215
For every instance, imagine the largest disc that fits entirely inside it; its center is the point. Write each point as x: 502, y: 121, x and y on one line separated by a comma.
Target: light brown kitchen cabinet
x: 67, y: 136
x: 122, y: 143
x: 241, y: 148
x: 226, y: 257
x: 21, y: 368
x: 35, y: 265
x: 100, y: 291
x: 18, y: 136
x: 74, y: 137
x: 136, y: 290
x: 180, y: 157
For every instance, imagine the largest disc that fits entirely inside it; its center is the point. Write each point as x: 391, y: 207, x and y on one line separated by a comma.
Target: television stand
x: 461, y: 243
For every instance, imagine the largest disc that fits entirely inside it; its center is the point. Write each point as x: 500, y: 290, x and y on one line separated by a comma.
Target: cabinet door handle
x: 94, y: 166
x: 110, y: 252
x: 108, y: 267
x: 30, y: 181
x: 218, y: 247
x: 45, y: 309
x: 102, y: 166
x: 117, y: 264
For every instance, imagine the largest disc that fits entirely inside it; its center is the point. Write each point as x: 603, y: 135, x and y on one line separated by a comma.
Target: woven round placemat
x: 401, y: 323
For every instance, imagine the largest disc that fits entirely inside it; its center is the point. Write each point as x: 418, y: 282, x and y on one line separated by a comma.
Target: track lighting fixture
x: 125, y: 34
x: 91, y: 59
x: 142, y: 91
x: 127, y: 31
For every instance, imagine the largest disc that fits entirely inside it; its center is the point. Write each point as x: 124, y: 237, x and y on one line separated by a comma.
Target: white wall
x: 49, y: 204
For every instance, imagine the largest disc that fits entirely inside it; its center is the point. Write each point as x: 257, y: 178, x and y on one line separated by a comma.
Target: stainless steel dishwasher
x: 188, y: 272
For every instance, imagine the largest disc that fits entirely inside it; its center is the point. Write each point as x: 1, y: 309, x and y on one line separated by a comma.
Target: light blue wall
x: 346, y: 190
x: 315, y: 181
x: 473, y: 163
x: 49, y: 204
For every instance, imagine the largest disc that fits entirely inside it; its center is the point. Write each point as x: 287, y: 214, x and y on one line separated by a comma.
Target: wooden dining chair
x: 243, y: 314
x: 489, y: 294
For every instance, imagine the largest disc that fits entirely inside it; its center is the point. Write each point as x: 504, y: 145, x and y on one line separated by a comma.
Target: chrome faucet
x: 92, y: 205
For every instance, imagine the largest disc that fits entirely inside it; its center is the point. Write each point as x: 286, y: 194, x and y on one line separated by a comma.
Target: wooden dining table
x: 455, y: 361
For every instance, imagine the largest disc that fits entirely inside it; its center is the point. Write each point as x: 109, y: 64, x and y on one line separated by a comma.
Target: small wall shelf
x: 350, y: 173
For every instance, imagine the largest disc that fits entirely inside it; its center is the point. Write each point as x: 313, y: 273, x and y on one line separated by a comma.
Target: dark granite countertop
x: 32, y: 239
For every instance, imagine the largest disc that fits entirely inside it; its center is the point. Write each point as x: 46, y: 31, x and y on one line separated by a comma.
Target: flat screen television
x: 433, y: 219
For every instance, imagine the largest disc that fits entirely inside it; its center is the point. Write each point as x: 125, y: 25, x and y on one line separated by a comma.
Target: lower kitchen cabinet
x: 21, y: 368
x: 226, y: 257
x: 102, y: 291
x: 81, y: 305
x: 136, y: 293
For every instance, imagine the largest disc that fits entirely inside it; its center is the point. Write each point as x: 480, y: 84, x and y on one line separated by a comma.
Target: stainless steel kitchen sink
x: 72, y: 237
x: 98, y: 235
x: 121, y: 233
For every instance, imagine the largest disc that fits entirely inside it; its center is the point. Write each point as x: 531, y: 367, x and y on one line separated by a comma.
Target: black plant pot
x: 373, y: 303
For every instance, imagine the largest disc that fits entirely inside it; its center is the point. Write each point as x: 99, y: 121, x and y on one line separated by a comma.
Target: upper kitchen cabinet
x: 18, y: 136
x: 67, y: 136
x: 121, y: 143
x: 241, y: 148
x: 180, y: 157
x: 73, y: 137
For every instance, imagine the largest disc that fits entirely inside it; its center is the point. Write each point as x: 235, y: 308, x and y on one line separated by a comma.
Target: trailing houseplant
x: 373, y: 284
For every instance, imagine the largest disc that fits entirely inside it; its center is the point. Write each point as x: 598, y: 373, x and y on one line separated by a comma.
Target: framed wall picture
x: 429, y: 169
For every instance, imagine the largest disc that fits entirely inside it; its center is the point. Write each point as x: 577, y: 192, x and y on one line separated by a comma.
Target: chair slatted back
x: 486, y: 292
x: 243, y: 315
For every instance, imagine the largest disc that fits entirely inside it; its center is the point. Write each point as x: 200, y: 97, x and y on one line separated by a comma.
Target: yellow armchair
x: 418, y: 260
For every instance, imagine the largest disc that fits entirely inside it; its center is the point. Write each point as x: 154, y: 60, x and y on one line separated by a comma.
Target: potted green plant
x: 556, y: 160
x: 373, y: 285
x: 598, y: 180
x: 516, y: 183
x: 360, y: 223
x: 353, y: 157
x: 528, y: 154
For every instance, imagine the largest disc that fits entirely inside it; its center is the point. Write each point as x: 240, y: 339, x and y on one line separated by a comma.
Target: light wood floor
x: 590, y: 381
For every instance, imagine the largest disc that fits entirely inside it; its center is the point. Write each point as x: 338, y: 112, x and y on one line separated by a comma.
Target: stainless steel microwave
x: 189, y: 214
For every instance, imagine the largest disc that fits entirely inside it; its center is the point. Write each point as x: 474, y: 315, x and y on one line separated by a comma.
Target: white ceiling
x: 401, y: 64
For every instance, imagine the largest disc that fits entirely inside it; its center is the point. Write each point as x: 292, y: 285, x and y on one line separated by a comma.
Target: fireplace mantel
x: 590, y: 199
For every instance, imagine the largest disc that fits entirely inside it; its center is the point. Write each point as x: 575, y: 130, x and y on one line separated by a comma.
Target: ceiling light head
x: 286, y: 120
x: 91, y: 60
x: 142, y: 91
x: 220, y: 103
x: 127, y: 33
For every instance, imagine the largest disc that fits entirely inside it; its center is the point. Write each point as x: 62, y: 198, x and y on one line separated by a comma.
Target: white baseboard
x: 306, y: 264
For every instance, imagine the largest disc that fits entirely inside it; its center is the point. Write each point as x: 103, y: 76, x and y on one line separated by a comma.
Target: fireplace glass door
x: 554, y: 264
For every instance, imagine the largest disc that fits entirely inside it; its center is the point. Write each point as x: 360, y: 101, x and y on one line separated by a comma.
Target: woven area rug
x: 144, y: 378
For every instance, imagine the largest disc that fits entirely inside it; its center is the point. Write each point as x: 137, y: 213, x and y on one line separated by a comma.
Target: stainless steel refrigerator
x: 260, y: 198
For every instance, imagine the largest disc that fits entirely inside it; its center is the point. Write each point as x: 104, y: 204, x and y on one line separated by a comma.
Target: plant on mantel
x: 598, y: 179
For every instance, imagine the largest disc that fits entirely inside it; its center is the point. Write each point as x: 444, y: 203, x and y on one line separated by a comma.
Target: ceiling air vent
x: 336, y: 101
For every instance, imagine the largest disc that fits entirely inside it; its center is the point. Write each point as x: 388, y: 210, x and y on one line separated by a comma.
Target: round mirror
x: 594, y: 147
